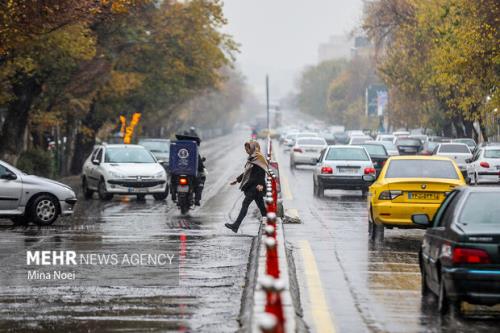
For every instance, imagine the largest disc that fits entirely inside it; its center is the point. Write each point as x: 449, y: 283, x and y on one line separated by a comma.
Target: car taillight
x: 298, y: 150
x: 327, y: 170
x: 389, y: 195
x: 470, y: 256
x: 183, y: 181
x: 485, y: 165
x: 369, y: 171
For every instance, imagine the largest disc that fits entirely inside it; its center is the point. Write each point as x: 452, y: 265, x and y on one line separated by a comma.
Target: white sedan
x: 345, y: 168
x: 307, y: 151
x: 484, y: 166
x: 459, y: 152
x: 124, y: 170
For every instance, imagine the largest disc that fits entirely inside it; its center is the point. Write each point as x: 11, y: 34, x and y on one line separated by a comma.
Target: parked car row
x: 109, y: 170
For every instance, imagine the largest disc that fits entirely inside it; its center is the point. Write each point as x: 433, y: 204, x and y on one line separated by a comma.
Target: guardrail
x: 273, y: 321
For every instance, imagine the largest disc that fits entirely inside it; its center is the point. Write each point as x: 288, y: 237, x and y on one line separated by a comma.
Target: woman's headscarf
x: 255, y: 158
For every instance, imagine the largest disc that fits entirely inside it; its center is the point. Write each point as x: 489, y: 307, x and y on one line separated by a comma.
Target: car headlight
x: 116, y: 174
x: 160, y: 175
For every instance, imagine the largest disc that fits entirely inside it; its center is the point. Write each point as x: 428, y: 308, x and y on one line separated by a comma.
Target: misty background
x: 282, y: 37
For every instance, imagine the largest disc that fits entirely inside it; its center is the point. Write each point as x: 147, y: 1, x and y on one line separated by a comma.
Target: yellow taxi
x: 409, y: 185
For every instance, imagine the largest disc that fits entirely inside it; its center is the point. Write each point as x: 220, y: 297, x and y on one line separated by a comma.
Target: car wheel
x: 424, y: 288
x: 101, y: 190
x: 476, y: 181
x: 141, y: 197
x: 292, y: 164
x: 370, y: 224
x: 364, y: 191
x: 378, y: 232
x: 315, y: 188
x: 87, y: 193
x: 160, y: 196
x: 321, y: 189
x: 44, y: 210
x: 443, y: 303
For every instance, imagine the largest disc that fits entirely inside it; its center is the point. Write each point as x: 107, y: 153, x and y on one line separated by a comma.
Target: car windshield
x: 408, y: 142
x: 389, y: 145
x: 421, y: 169
x: 359, y: 139
x: 311, y: 142
x: 456, y: 149
x: 128, y: 155
x: 156, y: 146
x: 347, y: 154
x: 481, y: 208
x: 468, y: 142
x: 422, y: 138
x: 431, y: 145
x: 375, y: 149
x: 490, y: 153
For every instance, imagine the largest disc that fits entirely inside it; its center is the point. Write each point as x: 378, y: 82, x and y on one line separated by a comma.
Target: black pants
x: 249, y: 197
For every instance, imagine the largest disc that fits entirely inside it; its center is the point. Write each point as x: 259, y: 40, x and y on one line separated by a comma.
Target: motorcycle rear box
x: 184, y: 158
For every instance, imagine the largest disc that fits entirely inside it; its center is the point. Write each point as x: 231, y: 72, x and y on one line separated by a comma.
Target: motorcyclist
x: 200, y: 180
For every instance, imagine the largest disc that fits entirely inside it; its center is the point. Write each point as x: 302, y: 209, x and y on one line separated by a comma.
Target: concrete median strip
x: 260, y: 295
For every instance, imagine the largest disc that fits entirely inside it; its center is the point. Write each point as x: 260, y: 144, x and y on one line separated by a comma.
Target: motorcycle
x: 185, y: 192
x: 184, y: 171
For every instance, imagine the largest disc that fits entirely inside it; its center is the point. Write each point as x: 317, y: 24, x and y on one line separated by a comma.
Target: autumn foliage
x: 441, y: 61
x: 69, y: 69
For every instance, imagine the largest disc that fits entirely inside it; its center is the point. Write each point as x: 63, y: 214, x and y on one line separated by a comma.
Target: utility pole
x: 267, y: 103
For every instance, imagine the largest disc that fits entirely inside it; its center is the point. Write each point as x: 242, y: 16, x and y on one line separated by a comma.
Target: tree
x: 313, y: 86
x: 439, y: 59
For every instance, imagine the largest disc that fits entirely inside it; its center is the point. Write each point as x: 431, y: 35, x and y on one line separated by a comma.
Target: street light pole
x: 267, y: 103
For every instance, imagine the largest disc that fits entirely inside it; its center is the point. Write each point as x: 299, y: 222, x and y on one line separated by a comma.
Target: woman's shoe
x: 232, y: 227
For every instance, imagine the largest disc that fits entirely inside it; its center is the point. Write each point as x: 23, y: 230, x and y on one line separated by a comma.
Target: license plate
x: 423, y: 196
x: 183, y: 188
x: 350, y: 171
x: 311, y: 151
x: 137, y: 190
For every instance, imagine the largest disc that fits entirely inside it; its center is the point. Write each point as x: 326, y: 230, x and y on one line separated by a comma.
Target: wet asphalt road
x: 366, y: 287
x: 212, y: 268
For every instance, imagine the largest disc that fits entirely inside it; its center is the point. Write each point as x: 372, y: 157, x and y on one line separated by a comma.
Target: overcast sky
x: 280, y: 37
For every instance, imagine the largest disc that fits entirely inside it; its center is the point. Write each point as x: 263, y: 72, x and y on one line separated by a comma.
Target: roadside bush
x: 37, y: 162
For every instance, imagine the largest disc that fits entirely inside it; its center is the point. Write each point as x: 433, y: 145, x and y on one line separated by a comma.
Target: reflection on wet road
x: 367, y: 287
x: 212, y: 268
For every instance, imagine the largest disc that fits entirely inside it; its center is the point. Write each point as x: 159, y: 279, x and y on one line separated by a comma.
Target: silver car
x: 26, y: 198
x: 484, y: 166
x: 307, y: 151
x: 345, y: 168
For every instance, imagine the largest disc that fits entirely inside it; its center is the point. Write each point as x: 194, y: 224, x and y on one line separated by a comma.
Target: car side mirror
x: 369, y: 178
x: 421, y: 220
x: 96, y: 162
x: 8, y: 176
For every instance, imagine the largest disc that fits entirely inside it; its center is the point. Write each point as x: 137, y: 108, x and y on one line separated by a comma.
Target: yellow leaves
x: 123, y: 82
x: 77, y: 41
